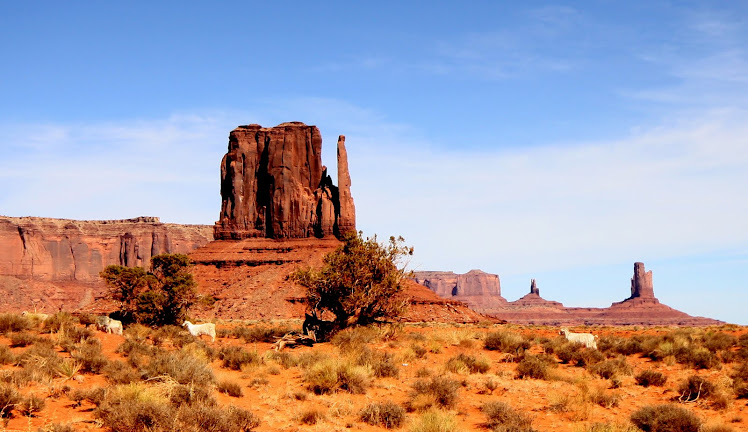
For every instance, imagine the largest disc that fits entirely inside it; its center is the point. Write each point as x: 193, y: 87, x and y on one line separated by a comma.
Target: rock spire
x: 641, y: 283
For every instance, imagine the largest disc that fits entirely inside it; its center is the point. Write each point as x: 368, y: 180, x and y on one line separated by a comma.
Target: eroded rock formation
x: 642, y: 308
x: 481, y: 291
x: 55, y: 262
x: 273, y: 185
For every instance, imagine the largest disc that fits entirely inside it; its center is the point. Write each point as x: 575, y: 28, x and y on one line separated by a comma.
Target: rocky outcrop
x: 481, y: 291
x: 249, y: 280
x: 57, y: 261
x: 273, y: 185
x: 642, y: 308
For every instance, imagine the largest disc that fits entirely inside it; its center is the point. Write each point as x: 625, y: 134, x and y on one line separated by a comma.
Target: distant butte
x: 641, y: 308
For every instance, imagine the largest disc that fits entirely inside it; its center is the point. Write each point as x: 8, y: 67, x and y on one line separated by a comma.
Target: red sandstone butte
x: 641, y: 308
x: 480, y: 291
x: 51, y: 263
x: 273, y: 185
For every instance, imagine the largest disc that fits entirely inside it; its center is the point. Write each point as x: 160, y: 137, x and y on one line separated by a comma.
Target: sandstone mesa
x: 279, y: 210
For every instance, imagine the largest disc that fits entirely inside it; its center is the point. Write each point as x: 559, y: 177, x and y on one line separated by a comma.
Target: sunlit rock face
x: 273, y: 185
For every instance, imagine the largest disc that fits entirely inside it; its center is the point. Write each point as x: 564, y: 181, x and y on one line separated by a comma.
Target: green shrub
x: 435, y: 421
x: 182, y: 367
x: 612, y: 367
x: 439, y: 390
x: 532, y: 366
x: 507, y: 342
x: 469, y: 363
x: 665, y: 418
x: 740, y: 380
x: 329, y: 375
x: 577, y: 354
x: 134, y: 408
x: 650, y: 378
x: 90, y: 357
x: 388, y: 415
x: 501, y: 417
x: 718, y: 341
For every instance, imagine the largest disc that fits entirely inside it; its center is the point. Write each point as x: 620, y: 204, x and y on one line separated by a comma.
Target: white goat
x: 587, y: 339
x: 201, y: 329
x: 106, y: 324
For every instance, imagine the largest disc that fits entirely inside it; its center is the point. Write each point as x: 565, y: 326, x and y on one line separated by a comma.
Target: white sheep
x: 587, y: 339
x: 106, y: 324
x: 201, y: 329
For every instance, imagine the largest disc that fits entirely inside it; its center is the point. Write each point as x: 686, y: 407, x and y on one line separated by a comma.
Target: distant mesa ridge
x: 641, y: 308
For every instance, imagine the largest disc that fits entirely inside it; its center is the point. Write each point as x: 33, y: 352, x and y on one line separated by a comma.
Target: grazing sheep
x: 201, y: 329
x: 41, y: 317
x: 587, y: 339
x: 106, y: 324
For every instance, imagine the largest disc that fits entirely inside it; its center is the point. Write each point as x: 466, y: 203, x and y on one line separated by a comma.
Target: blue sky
x: 561, y: 141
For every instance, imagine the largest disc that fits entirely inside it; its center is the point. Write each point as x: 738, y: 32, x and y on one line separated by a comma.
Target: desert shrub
x: 22, y: 339
x: 40, y: 361
x: 117, y: 372
x: 311, y: 416
x: 665, y: 418
x: 359, y: 284
x: 31, y: 404
x: 56, y: 427
x: 176, y: 335
x: 231, y: 388
x: 95, y: 395
x: 695, y: 387
x: 532, y: 366
x: 285, y: 359
x: 134, y: 408
x: 740, y: 380
x: 381, y: 363
x: 12, y: 323
x: 329, y: 375
x: 234, y: 357
x: 718, y: 341
x: 489, y: 386
x: 181, y: 394
x: 135, y: 346
x: 613, y: 345
x: 435, y: 421
x: 353, y: 339
x: 9, y: 398
x: 650, y: 378
x: 199, y: 418
x: 699, y: 358
x: 90, y: 357
x: 505, y: 341
x: 182, y: 367
x: 260, y: 333
x: 612, y: 367
x: 577, y: 354
x: 60, y: 321
x: 717, y: 428
x: 604, y: 399
x: 387, y: 414
x: 500, y: 417
x: 437, y: 391
x: 418, y: 350
x: 467, y: 363
x: 6, y: 355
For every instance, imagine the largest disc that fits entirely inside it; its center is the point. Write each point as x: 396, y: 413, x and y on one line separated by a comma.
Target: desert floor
x: 325, y: 387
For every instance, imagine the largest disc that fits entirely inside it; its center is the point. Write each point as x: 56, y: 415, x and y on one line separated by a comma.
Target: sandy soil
x: 279, y: 396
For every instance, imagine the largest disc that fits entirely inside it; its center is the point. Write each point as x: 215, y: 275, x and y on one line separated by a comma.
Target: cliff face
x: 56, y: 262
x: 481, y: 291
x: 273, y: 185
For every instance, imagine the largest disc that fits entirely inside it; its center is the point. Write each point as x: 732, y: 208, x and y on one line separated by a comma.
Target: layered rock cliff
x: 54, y: 262
x: 273, y: 185
x: 481, y: 291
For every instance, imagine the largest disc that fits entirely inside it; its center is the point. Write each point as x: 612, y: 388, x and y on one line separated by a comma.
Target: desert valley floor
x: 436, y: 372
